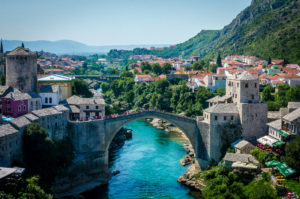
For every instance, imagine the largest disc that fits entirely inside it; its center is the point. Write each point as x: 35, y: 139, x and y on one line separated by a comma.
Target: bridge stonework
x: 91, y: 140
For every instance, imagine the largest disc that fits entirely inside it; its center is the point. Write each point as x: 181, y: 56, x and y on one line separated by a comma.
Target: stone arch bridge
x: 97, y: 135
x: 91, y: 141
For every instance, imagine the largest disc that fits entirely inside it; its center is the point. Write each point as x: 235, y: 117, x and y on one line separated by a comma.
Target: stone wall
x: 55, y: 122
x: 253, y: 119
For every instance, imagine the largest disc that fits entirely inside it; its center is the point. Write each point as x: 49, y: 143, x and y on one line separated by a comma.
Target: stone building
x: 21, y: 69
x: 244, y: 89
x: 244, y: 147
x: 64, y: 83
x: 50, y: 94
x: 237, y: 114
x: 86, y: 108
x: 9, y: 144
x: 54, y: 120
x: 15, y: 103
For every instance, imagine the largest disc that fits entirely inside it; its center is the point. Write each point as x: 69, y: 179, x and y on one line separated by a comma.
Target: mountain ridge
x: 70, y: 47
x: 266, y: 28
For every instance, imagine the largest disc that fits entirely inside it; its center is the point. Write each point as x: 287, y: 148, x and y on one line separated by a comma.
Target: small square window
x: 225, y: 118
x: 246, y: 85
x: 87, y: 107
x: 216, y: 117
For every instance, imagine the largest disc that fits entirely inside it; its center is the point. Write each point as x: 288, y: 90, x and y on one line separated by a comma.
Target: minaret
x: 1, y: 59
x: 1, y: 47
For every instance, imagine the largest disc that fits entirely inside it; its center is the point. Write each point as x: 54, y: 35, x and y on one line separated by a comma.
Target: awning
x: 267, y: 140
x: 272, y: 163
x: 284, y: 134
x: 243, y: 165
x: 278, y: 143
x: 285, y: 170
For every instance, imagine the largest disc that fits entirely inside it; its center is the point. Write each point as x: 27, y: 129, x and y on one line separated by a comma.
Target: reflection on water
x: 148, y: 164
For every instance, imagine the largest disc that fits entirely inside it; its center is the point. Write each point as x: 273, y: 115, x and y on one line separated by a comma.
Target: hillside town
x: 35, y: 91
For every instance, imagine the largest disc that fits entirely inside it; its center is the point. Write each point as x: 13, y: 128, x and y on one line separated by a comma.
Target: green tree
x: 2, y: 79
x: 84, y: 66
x: 126, y: 74
x: 262, y: 190
x: 221, y: 91
x: 269, y: 61
x: 32, y: 190
x: 213, y: 68
x: 198, y: 66
x: 292, y: 151
x: 266, y: 94
x: 166, y: 68
x: 105, y: 87
x: 146, y: 71
x: 219, y: 60
x: 145, y: 66
x: 43, y: 156
x: 156, y: 68
x: 81, y: 88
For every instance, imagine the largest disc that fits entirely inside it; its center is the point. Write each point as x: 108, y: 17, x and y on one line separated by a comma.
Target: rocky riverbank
x: 119, y: 140
x: 188, y: 179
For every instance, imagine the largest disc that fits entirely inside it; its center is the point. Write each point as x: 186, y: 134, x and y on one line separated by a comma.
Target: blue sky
x: 114, y: 22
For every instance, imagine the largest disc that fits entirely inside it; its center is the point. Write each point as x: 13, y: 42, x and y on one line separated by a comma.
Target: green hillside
x: 267, y: 28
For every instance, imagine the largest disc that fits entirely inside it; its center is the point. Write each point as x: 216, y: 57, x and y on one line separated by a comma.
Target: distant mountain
x: 70, y: 47
x: 267, y: 28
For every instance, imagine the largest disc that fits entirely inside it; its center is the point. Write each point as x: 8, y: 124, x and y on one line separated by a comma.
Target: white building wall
x: 55, y: 99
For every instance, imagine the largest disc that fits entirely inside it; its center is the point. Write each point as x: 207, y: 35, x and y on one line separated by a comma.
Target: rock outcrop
x: 188, y: 179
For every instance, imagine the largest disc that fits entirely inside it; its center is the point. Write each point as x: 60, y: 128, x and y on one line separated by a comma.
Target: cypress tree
x: 22, y: 44
x: 219, y: 60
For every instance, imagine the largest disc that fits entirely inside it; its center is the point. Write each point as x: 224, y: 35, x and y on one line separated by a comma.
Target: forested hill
x: 267, y: 28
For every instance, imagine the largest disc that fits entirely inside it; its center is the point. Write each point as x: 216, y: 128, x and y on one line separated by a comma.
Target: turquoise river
x: 149, y: 166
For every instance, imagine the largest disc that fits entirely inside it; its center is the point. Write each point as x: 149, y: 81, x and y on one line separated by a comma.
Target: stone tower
x: 21, y: 69
x: 243, y: 87
x: 1, y: 59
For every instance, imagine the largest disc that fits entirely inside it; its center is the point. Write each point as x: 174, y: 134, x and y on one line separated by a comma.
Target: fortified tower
x: 243, y: 87
x: 1, y: 58
x: 21, y: 69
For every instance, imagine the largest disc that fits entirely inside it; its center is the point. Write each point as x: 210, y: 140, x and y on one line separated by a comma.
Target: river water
x: 148, y: 164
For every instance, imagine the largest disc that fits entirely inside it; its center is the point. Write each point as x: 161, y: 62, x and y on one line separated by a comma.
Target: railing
x: 146, y: 111
x: 128, y: 114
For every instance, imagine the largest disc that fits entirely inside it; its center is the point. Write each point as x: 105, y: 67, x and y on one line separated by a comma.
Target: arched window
x: 50, y: 100
x: 46, y: 100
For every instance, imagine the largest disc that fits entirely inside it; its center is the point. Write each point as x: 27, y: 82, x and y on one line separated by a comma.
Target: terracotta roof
x: 278, y: 82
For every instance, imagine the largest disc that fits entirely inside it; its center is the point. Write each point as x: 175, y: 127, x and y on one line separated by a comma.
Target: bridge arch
x: 187, y: 125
